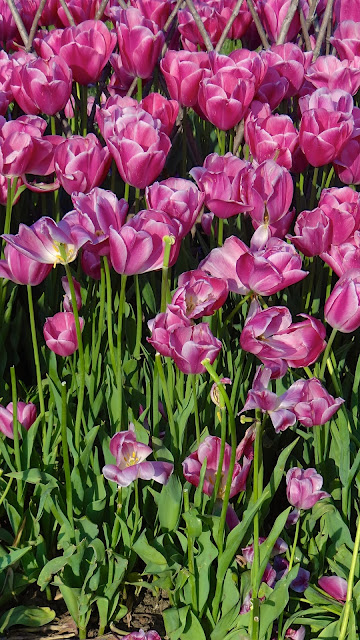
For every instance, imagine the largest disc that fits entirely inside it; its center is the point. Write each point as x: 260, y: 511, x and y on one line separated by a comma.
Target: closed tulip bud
x: 162, y: 109
x: 313, y: 232
x: 42, y: 86
x: 140, y: 42
x: 342, y: 308
x: 183, y: 71
x: 26, y: 416
x: 225, y: 96
x: 346, y: 39
x: 60, y: 333
x: 303, y: 487
x: 335, y: 586
x: 21, y: 269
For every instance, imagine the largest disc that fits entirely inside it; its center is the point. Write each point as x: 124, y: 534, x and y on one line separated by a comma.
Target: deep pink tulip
x: 289, y: 62
x: 8, y: 28
x: 81, y: 163
x: 332, y: 73
x: 224, y: 97
x: 335, y: 586
x: 80, y: 10
x: 60, y: 333
x: 154, y: 10
x: 342, y: 206
x: 21, y: 269
x: 48, y: 242
x: 199, y: 294
x: 221, y: 263
x: 341, y: 258
x: 252, y: 61
x: 137, y: 146
x: 42, y: 86
x: 26, y: 415
x: 346, y: 39
x: 270, y: 192
x: 131, y: 462
x: 67, y: 302
x: 177, y: 197
x: 279, y: 547
x: 272, y: 138
x: 210, y: 449
x: 272, y: 89
x: 313, y: 232
x: 296, y: 634
x: 212, y: 19
x: 191, y: 345
x: 140, y: 42
x: 303, y: 487
x: 138, y: 246
x: 91, y: 264
x: 163, y: 324
x: 342, y: 308
x: 86, y: 48
x: 272, y: 14
x: 315, y: 405
x: 222, y: 180
x: 347, y: 163
x: 143, y: 635
x: 164, y: 110
x: 183, y: 71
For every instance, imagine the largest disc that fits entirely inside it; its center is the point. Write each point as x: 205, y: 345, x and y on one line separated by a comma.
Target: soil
x: 145, y: 612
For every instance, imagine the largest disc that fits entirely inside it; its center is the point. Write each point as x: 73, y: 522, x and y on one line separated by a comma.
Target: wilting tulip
x: 140, y: 42
x: 26, y: 415
x: 163, y: 324
x: 139, y: 245
x: 342, y: 308
x: 210, y: 449
x: 335, y: 586
x: 303, y: 487
x: 177, y: 197
x: 183, y: 71
x: 191, y: 345
x: 198, y: 294
x: 22, y: 270
x: 42, y: 86
x: 131, y: 462
x: 60, y: 333
x: 81, y: 163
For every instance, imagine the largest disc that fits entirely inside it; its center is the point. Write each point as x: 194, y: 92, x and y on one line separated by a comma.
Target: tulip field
x: 180, y: 319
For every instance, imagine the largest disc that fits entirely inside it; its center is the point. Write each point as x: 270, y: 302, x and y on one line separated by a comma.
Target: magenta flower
x: 60, y: 333
x: 21, y: 269
x: 191, y: 345
x: 26, y: 415
x: 304, y: 487
x: 342, y: 308
x: 163, y: 324
x: 198, y: 294
x: 140, y: 42
x: 177, y: 197
x: 335, y: 586
x: 289, y: 62
x: 332, y: 73
x: 162, y: 109
x: 81, y: 163
x: 344, y: 257
x: 272, y: 15
x: 67, y: 297
x: 313, y: 232
x: 210, y: 449
x: 315, y: 405
x: 346, y: 39
x: 154, y: 10
x: 183, y: 72
x: 272, y: 138
x: 131, y: 462
x: 221, y: 263
x: 142, y: 635
x: 270, y: 194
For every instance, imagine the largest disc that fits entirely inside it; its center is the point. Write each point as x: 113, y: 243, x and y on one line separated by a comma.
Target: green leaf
x: 192, y: 629
x: 169, y: 504
x: 26, y: 616
x: 34, y: 476
x: 203, y: 562
x: 226, y: 623
x: 13, y: 556
x: 267, y: 546
x: 147, y: 552
x: 54, y: 566
x: 193, y: 523
x: 175, y: 620
x: 273, y: 606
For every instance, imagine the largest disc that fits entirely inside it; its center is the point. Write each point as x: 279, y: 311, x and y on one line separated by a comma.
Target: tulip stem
x: 349, y: 594
x: 191, y: 560
x: 326, y: 353
x: 165, y: 294
x: 196, y: 409
x: 220, y: 463
x: 100, y: 323
x: 257, y: 488
x: 36, y: 358
x: 169, y: 410
x: 292, y: 558
x: 109, y: 313
x: 235, y: 311
x: 65, y: 452
x: 139, y: 317
x: 119, y: 340
x: 16, y: 434
x: 126, y: 191
x: 137, y: 512
x: 81, y: 391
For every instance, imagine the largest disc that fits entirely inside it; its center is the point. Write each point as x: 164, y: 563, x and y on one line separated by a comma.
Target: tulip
x: 300, y: 583
x: 80, y: 10
x: 270, y: 192
x: 332, y: 73
x: 210, y: 449
x: 164, y: 110
x: 342, y: 308
x: 26, y: 416
x: 139, y: 245
x: 315, y: 405
x: 81, y: 163
x: 60, y: 333
x: 272, y: 138
x: 344, y: 257
x: 213, y: 21
x: 183, y: 71
x: 142, y: 635
x: 154, y: 10
x: 335, y: 586
x: 67, y: 301
x: 272, y: 14
x: 177, y: 197
x: 279, y: 547
x: 289, y: 62
x: 272, y: 89
x: 42, y: 86
x: 221, y: 263
x: 22, y: 270
x: 342, y: 206
x: 163, y: 324
x: 198, y: 294
x: 191, y: 345
x: 91, y: 264
x: 140, y: 42
x: 303, y: 487
x: 131, y: 462
x: 313, y: 232
x: 346, y: 39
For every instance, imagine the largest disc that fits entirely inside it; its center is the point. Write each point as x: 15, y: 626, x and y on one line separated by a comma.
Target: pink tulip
x: 142, y: 635
x: 191, y: 345
x: 8, y: 28
x: 154, y: 10
x: 210, y: 449
x: 67, y: 301
x: 270, y: 192
x: 272, y: 89
x: 21, y: 269
x: 304, y: 487
x: 332, y: 73
x: 342, y: 308
x: 138, y: 246
x: 221, y: 263
x: 163, y: 324
x: 289, y: 62
x: 346, y: 39
x: 42, y: 86
x: 335, y: 586
x: 86, y: 48
x: 279, y: 547
x: 81, y: 163
x: 198, y: 294
x: 252, y: 61
x: 162, y: 109
x: 341, y: 258
x: 26, y: 416
x: 272, y: 138
x: 213, y: 21
x: 60, y: 333
x: 80, y: 10
x: 313, y: 232
x: 342, y: 206
x: 183, y: 71
x: 131, y: 462
x: 91, y: 264
x: 272, y: 14
x: 140, y: 42
x: 48, y: 242
x: 315, y: 406
x: 177, y: 197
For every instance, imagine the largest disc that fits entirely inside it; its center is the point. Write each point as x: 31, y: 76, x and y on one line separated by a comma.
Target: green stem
x: 165, y: 289
x: 139, y: 89
x: 137, y: 512
x: 169, y: 410
x: 36, y: 358
x: 191, y: 561
x: 139, y: 318
x: 100, y: 323
x: 109, y: 314
x: 220, y: 232
x: 119, y: 341
x: 292, y: 558
x: 329, y: 177
x: 220, y: 463
x: 81, y: 391
x: 16, y: 435
x: 116, y: 527
x: 326, y: 354
x: 349, y: 594
x: 196, y: 409
x: 257, y: 462
x: 126, y: 191
x: 235, y: 311
x: 65, y: 452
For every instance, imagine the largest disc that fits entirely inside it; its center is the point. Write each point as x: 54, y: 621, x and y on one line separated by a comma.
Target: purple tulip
x: 177, y: 197
x: 191, y: 345
x: 140, y: 42
x: 198, y: 294
x: 335, y: 586
x: 163, y: 324
x: 131, y: 461
x: 81, y: 163
x: 67, y: 302
x: 60, y: 333
x: 26, y: 416
x: 303, y: 487
x: 22, y: 270
x: 315, y: 405
x: 142, y: 635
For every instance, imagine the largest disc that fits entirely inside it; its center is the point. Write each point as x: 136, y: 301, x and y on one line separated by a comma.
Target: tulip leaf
x: 12, y: 556
x: 169, y: 504
x: 203, y: 562
x: 148, y: 553
x: 276, y: 602
x: 26, y: 616
x: 54, y: 566
x: 175, y: 620
x: 193, y: 628
x: 34, y: 476
x: 267, y: 546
